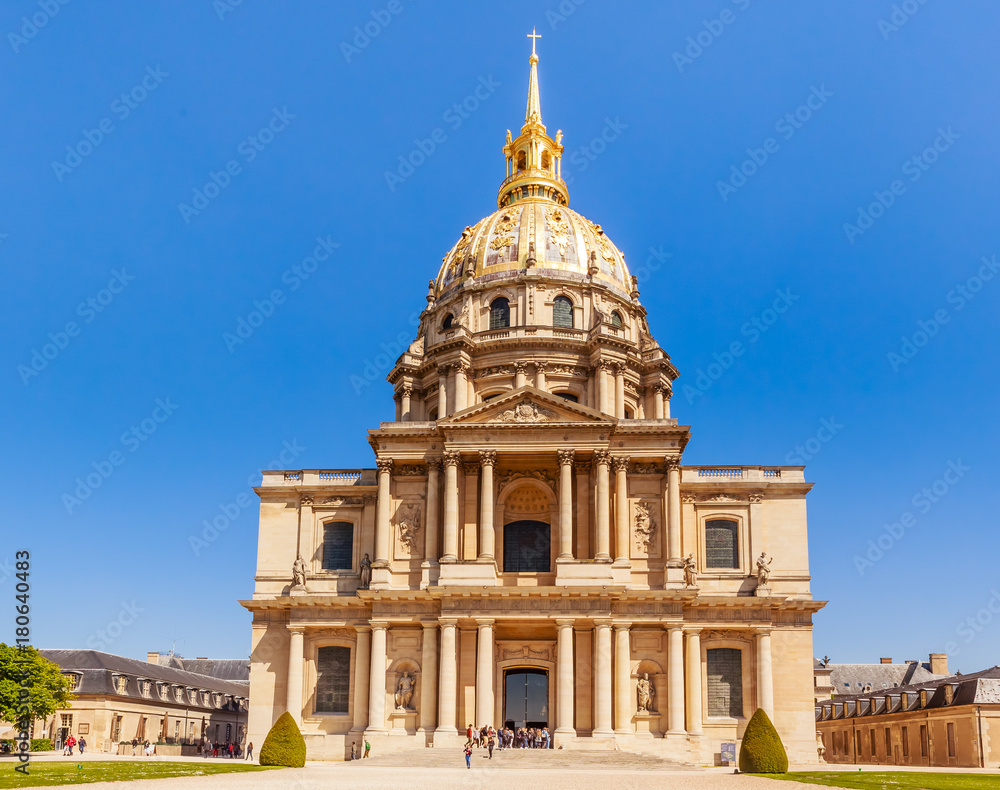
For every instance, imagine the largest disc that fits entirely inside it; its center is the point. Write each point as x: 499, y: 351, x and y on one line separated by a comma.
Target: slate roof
x: 852, y: 678
x: 222, y: 668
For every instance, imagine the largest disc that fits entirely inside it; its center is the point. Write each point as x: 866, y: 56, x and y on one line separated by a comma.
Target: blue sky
x: 831, y: 160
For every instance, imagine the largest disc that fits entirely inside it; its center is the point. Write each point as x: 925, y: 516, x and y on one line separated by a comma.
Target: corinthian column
x: 462, y: 371
x: 382, y: 526
x: 566, y: 504
x: 603, y: 405
x: 406, y: 393
x: 675, y: 680
x: 623, y: 678
x: 433, y: 518
x: 487, y: 537
x: 484, y: 672
x: 520, y: 374
x: 602, y: 678
x: 452, y: 458
x: 659, y: 389
x: 442, y: 391
x: 564, y: 678
x: 693, y: 676
x: 765, y: 680
x: 362, y: 677
x: 666, y: 402
x: 673, y: 507
x: 428, y: 677
x: 619, y: 391
x: 448, y: 679
x: 376, y: 697
x: 603, y: 527
x: 293, y: 696
x: 620, y: 464
x: 540, y: 375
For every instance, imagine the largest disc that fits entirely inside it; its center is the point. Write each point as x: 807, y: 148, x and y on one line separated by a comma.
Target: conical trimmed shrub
x: 284, y: 744
x: 762, y: 751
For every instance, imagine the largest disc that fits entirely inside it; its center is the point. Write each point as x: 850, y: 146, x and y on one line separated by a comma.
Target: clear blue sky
x: 99, y: 240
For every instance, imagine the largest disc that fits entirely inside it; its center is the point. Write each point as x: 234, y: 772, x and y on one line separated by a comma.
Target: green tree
x: 48, y: 689
x: 284, y: 744
x: 762, y: 751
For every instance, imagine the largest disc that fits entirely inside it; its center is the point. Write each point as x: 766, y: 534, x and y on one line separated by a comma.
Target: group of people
x: 148, y: 749
x: 354, y: 749
x: 227, y: 749
x: 488, y: 738
x: 71, y: 742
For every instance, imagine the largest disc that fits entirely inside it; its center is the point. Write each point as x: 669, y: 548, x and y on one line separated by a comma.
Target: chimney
x: 152, y: 658
x: 885, y: 660
x: 939, y: 663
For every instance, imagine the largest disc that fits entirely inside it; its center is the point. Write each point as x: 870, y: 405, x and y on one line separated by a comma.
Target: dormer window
x: 75, y: 678
x: 449, y: 321
x: 121, y: 684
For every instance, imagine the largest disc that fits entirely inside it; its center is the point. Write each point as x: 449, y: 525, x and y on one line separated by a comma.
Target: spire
x: 534, y: 111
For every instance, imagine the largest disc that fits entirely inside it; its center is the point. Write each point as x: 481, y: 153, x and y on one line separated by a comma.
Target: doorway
x: 526, y: 697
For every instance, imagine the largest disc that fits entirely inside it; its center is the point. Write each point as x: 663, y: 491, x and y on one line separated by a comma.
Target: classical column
x: 658, y: 401
x: 673, y: 508
x: 540, y: 375
x: 765, y: 680
x: 428, y: 677
x: 693, y: 677
x: 406, y: 393
x: 442, y: 391
x: 293, y: 699
x: 484, y: 673
x: 675, y: 680
x: 383, y: 529
x: 452, y: 458
x: 603, y: 527
x: 583, y: 548
x: 448, y: 679
x: 619, y: 390
x: 376, y: 695
x: 564, y: 678
x: 520, y: 374
x: 433, y: 518
x: 620, y: 464
x: 602, y: 678
x: 666, y: 402
x: 362, y: 676
x: 623, y: 679
x: 462, y: 370
x: 602, y: 387
x: 566, y: 504
x: 487, y: 537
x: 399, y: 406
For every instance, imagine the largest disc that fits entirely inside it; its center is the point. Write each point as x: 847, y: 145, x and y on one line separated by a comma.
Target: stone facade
x: 530, y: 512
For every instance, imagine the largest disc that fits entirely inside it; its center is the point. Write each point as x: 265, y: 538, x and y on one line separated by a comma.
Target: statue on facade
x: 644, y: 691
x: 690, y: 571
x: 404, y: 691
x: 763, y: 569
x: 366, y: 572
x: 299, y: 572
x: 820, y: 747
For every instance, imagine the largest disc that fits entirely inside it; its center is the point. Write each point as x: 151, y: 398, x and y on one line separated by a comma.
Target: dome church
x: 530, y: 550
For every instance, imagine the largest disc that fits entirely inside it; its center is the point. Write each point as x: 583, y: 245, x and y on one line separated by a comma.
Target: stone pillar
x: 487, y: 537
x: 433, y: 517
x: 399, y: 406
x: 452, y: 459
x: 462, y: 370
x: 603, y: 527
x: 640, y: 403
x: 428, y: 677
x: 564, y: 679
x: 620, y: 391
x: 673, y: 508
x: 442, y: 391
x: 666, y: 403
x: 765, y: 680
x: 620, y: 464
x: 383, y: 529
x: 484, y: 673
x: 583, y: 548
x: 376, y: 682
x: 448, y: 679
x: 296, y: 658
x: 693, y: 677
x: 540, y: 376
x: 675, y: 681
x: 566, y: 504
x: 623, y: 679
x: 362, y: 676
x: 602, y: 387
x: 602, y: 678
x: 658, y: 401
x: 406, y: 393
x: 520, y: 374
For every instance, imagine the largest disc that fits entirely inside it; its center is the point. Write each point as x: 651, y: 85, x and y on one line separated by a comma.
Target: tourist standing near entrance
x: 250, y: 751
x: 489, y: 744
x: 468, y: 754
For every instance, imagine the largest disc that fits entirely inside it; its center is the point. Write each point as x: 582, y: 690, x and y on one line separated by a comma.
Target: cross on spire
x: 532, y: 36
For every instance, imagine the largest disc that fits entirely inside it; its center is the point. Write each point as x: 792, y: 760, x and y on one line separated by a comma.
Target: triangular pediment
x: 527, y: 406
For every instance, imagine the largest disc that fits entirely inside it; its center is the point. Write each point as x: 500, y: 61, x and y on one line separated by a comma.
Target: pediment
x: 526, y: 406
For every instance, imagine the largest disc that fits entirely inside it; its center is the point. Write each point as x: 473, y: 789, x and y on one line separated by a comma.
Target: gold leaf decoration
x: 505, y: 227
x: 558, y: 228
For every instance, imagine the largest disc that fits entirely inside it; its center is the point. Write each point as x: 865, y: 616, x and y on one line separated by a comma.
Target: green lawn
x: 896, y: 780
x: 46, y: 773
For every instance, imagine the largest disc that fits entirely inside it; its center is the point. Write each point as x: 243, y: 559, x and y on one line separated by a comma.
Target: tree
x: 45, y: 688
x: 762, y: 751
x: 284, y: 744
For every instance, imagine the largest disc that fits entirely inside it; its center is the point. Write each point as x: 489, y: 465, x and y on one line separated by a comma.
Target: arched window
x: 616, y: 318
x: 545, y: 160
x: 449, y: 321
x: 338, y: 546
x: 722, y: 548
x: 562, y: 312
x: 499, y: 313
x: 521, y: 161
x: 526, y: 547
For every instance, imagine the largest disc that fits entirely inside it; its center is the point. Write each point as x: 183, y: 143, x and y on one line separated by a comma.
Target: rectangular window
x: 951, y: 739
x: 871, y: 741
x: 923, y: 740
x: 857, y: 744
x: 527, y: 547
x: 333, y: 679
x: 906, y: 743
x: 725, y: 682
x: 888, y: 743
x: 338, y: 546
x: 116, y: 728
x: 721, y: 545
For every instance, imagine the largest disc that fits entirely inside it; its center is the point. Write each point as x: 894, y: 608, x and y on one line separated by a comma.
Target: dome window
x: 449, y: 321
x: 499, y: 313
x: 616, y: 319
x: 562, y: 312
x: 521, y: 161
x: 546, y: 163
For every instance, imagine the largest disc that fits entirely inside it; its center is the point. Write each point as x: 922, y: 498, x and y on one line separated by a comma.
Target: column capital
x: 620, y: 463
x: 764, y: 630
x: 471, y: 468
x: 452, y: 458
x: 380, y: 625
x: 448, y: 622
x: 520, y: 367
x: 668, y: 394
x: 566, y: 457
x: 622, y: 625
x: 603, y: 623
x: 443, y: 368
x: 582, y: 467
x: 541, y: 367
x: 435, y: 464
x: 295, y: 628
x: 488, y: 457
x: 463, y: 367
x: 693, y: 631
x: 406, y: 390
x: 673, y: 463
x: 566, y: 622
x: 671, y: 627
x: 384, y: 464
x: 619, y: 368
x: 427, y: 625
x: 362, y: 628
x: 602, y: 457
x: 605, y: 364
x: 485, y: 622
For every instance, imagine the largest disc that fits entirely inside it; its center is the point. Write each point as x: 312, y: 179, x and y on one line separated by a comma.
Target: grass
x: 45, y: 773
x: 894, y: 780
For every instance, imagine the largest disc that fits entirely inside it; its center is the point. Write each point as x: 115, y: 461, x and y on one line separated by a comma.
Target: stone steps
x: 526, y: 758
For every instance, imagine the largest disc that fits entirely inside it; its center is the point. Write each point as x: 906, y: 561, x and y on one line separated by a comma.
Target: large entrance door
x: 526, y: 697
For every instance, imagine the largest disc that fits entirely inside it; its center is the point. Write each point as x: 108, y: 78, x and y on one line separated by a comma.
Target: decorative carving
x: 407, y: 520
x: 337, y: 501
x: 404, y: 691
x: 452, y: 458
x: 763, y: 569
x: 690, y: 571
x: 366, y: 572
x: 531, y: 650
x: 504, y: 228
x: 435, y: 464
x: 305, y: 499
x: 644, y: 693
x: 604, y: 244
x: 583, y: 467
x: 756, y: 499
x: 525, y: 411
x: 488, y: 457
x: 568, y: 370
x: 602, y: 457
x: 720, y: 498
x: 558, y: 228
x: 689, y: 499
x: 410, y: 471
x: 645, y: 525
x: 384, y: 464
x: 470, y: 469
x: 566, y: 456
x: 521, y: 367
x: 673, y: 463
x: 538, y: 474
x: 496, y: 370
x: 620, y: 463
x: 646, y: 469
x: 299, y: 572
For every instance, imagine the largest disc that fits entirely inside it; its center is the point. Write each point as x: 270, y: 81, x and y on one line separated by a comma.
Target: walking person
x: 82, y: 743
x: 354, y: 750
x: 207, y: 750
x: 468, y: 754
x: 368, y: 748
x: 249, y: 751
x: 134, y: 744
x: 489, y: 745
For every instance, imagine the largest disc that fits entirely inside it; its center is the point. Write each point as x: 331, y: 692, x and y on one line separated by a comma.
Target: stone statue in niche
x: 408, y: 522
x: 366, y: 572
x: 645, y: 526
x: 690, y: 571
x: 763, y: 569
x: 644, y: 692
x: 299, y: 572
x: 404, y: 691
